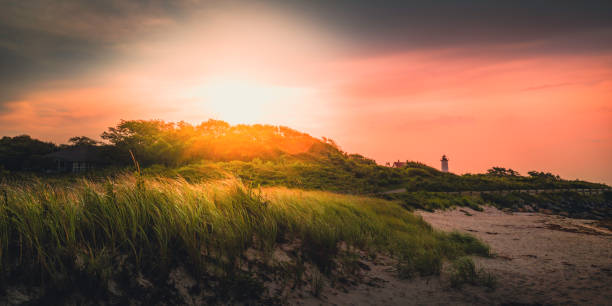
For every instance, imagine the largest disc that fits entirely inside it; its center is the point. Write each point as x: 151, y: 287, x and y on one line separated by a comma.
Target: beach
x: 538, y: 259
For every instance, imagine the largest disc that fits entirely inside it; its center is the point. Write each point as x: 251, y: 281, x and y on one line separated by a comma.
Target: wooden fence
x: 502, y: 192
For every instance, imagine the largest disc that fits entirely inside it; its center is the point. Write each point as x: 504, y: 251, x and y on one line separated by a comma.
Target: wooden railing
x: 507, y: 191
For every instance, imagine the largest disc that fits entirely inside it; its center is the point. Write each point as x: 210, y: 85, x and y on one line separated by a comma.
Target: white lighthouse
x: 444, y: 161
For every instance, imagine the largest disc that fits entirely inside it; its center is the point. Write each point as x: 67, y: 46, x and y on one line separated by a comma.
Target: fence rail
x: 507, y: 191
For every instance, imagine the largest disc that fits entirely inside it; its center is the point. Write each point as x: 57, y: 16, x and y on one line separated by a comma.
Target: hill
x: 218, y: 214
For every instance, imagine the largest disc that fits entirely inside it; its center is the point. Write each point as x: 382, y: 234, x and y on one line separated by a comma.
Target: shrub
x: 464, y: 271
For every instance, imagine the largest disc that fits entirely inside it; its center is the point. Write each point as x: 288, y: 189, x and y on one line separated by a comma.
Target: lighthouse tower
x: 444, y: 161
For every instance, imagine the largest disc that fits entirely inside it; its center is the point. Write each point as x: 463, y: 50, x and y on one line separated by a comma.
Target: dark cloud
x: 375, y: 25
x: 46, y: 40
x: 28, y: 56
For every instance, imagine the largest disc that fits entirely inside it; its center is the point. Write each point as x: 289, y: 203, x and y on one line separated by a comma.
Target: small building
x: 399, y: 164
x: 444, y: 161
x: 76, y: 160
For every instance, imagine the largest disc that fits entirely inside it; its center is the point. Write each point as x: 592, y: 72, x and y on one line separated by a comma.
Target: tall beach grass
x: 92, y: 232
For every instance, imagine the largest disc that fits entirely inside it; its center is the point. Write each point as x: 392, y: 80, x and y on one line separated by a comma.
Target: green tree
x: 500, y: 171
x: 24, y: 153
x: 78, y: 141
x: 151, y: 141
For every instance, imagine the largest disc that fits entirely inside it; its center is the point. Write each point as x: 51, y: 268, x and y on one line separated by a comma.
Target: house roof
x: 399, y: 164
x: 81, y: 154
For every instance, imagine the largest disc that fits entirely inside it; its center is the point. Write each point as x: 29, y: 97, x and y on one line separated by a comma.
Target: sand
x: 539, y: 259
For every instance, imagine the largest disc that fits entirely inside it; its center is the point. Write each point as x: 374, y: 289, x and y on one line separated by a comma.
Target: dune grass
x: 431, y: 201
x: 464, y: 271
x: 92, y: 232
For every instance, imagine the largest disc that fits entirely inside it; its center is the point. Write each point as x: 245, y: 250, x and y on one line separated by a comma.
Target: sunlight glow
x: 244, y: 101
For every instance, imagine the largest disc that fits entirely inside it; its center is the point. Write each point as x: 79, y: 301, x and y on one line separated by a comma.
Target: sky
x: 525, y: 85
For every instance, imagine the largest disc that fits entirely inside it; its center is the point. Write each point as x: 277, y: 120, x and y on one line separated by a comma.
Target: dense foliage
x: 23, y: 153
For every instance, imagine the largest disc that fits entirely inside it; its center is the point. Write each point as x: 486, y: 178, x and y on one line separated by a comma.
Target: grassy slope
x: 348, y: 174
x: 84, y: 236
x: 335, y: 171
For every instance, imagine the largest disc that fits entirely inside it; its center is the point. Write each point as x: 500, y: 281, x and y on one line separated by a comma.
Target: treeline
x: 174, y: 144
x: 169, y: 144
x: 24, y: 153
x: 262, y: 155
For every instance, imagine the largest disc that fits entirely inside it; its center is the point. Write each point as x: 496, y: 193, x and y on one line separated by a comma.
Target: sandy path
x: 540, y: 259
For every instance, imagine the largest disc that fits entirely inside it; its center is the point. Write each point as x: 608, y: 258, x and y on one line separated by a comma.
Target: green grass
x: 431, y: 201
x: 87, y: 233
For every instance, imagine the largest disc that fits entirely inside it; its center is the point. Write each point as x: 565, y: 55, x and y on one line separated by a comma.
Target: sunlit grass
x: 56, y: 232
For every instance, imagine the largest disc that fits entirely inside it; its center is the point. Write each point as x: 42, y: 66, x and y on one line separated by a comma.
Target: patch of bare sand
x: 540, y: 259
x: 545, y: 259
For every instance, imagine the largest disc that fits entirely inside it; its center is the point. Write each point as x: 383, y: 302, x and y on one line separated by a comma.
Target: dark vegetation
x: 431, y: 201
x: 23, y: 153
x: 261, y: 155
x: 208, y: 205
x: 568, y: 203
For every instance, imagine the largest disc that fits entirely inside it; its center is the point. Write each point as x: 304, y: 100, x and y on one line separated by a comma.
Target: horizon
x: 519, y: 85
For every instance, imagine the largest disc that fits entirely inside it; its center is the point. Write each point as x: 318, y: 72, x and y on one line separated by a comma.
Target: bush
x: 464, y: 271
x: 468, y: 244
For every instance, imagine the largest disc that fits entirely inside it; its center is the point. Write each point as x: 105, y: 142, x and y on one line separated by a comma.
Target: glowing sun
x: 238, y: 100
